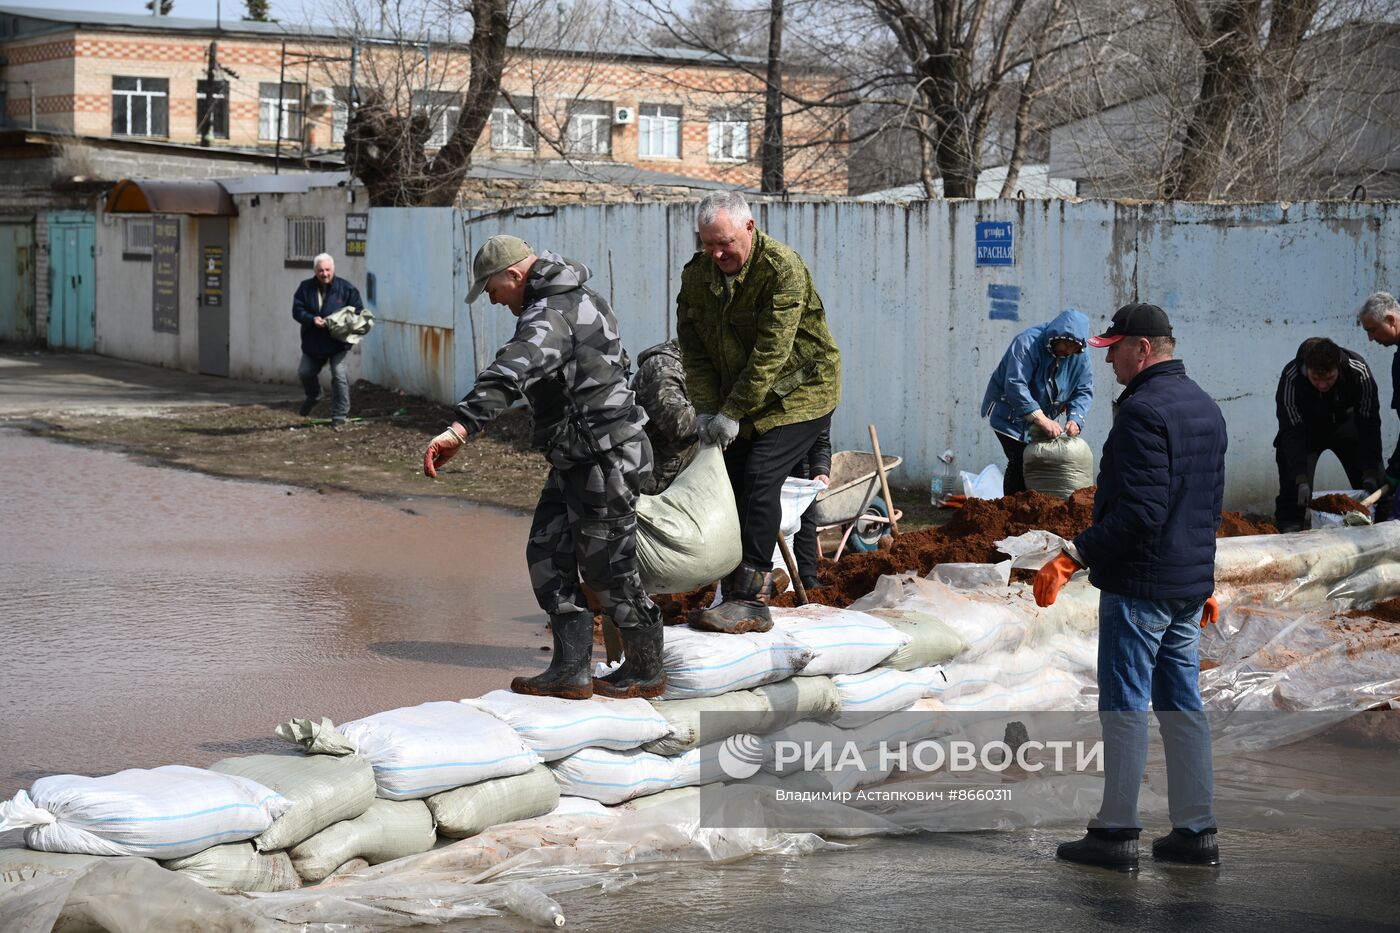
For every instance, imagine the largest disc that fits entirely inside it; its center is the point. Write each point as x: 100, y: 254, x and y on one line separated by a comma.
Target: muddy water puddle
x: 156, y: 616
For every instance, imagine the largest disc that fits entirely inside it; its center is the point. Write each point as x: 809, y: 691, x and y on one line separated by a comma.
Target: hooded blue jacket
x: 1161, y: 484
x: 1031, y: 378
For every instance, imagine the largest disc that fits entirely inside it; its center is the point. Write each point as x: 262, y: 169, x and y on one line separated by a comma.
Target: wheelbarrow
x: 849, y: 503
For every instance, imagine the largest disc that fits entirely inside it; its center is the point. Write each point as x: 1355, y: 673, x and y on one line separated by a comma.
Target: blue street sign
x: 995, y: 243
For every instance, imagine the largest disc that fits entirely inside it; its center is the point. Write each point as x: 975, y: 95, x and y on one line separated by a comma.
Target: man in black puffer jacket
x: 1151, y: 553
x: 1327, y: 400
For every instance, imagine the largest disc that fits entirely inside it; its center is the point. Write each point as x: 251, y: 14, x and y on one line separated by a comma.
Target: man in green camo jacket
x: 764, y: 375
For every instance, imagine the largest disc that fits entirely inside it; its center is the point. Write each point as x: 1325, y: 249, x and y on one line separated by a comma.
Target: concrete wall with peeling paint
x: 920, y: 324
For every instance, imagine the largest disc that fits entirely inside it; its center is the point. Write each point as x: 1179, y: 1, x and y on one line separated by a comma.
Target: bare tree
x: 1235, y: 99
x: 404, y: 56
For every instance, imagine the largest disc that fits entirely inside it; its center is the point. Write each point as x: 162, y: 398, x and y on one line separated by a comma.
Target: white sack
x: 163, y: 812
x: 612, y: 777
x: 555, y: 728
x: 711, y: 663
x: 843, y: 641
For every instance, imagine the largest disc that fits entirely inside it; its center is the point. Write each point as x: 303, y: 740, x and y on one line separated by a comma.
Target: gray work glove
x: 1304, y: 495
x: 721, y: 429
x: 701, y: 423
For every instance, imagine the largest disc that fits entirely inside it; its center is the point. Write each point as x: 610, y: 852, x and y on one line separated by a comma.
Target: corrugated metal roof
x: 232, y: 26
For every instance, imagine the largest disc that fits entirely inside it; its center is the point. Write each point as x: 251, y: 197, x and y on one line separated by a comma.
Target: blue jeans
x: 310, y: 371
x: 1148, y: 654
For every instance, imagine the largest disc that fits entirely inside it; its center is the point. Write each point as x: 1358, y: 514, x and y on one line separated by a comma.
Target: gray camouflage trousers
x: 586, y: 524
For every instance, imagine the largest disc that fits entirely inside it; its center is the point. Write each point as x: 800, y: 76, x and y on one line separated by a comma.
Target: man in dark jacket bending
x: 566, y: 360
x: 1151, y: 554
x: 316, y: 299
x: 1327, y: 400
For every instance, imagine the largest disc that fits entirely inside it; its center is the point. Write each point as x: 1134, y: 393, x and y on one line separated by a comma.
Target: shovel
x: 1356, y: 519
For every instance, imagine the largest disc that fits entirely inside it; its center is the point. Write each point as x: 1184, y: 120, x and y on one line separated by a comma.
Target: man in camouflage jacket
x: 566, y: 360
x: 764, y: 375
x: 660, y: 388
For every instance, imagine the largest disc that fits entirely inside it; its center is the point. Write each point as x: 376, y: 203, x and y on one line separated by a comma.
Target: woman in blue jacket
x: 1042, y: 375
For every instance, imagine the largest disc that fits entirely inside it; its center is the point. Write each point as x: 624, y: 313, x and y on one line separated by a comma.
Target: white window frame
x: 509, y: 131
x: 138, y: 238
x: 590, y: 128
x: 306, y: 239
x: 659, y: 131
x: 444, y: 109
x: 219, y: 95
x: 291, y: 115
x: 729, y: 134
x: 147, y: 97
x: 340, y: 114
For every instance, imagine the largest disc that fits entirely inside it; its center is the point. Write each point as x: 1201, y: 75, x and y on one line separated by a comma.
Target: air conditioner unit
x: 624, y: 115
x: 320, y: 97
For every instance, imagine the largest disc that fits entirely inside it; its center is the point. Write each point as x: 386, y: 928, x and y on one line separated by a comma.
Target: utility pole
x: 772, y: 155
x: 211, y: 100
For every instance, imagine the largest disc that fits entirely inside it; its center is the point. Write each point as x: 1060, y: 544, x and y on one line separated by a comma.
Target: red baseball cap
x: 1138, y: 319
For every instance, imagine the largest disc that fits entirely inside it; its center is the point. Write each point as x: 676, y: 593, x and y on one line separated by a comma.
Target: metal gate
x: 72, y: 280
x: 17, y: 278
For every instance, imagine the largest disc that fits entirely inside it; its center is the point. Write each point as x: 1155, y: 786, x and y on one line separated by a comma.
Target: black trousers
x: 1286, y: 508
x: 1015, y: 457
x: 757, y: 466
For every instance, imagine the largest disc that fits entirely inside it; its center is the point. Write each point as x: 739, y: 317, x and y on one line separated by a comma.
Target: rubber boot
x: 641, y: 673
x: 742, y: 610
x: 568, y: 676
x: 1103, y: 848
x: 1187, y: 848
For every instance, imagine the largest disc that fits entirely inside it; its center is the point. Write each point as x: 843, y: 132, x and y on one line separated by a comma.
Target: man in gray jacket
x: 566, y: 360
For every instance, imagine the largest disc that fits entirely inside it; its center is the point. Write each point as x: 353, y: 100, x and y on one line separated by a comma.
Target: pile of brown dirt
x: 1336, y: 504
x: 1388, y: 611
x: 968, y: 538
x: 1235, y: 525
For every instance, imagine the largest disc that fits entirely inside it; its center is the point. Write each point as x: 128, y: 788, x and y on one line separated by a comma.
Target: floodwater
x: 155, y: 616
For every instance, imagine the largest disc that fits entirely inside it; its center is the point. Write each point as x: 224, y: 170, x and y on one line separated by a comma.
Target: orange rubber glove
x: 442, y: 449
x: 1051, y: 577
x: 1210, y: 612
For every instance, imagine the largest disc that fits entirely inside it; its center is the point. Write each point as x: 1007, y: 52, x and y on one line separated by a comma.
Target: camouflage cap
x: 500, y: 252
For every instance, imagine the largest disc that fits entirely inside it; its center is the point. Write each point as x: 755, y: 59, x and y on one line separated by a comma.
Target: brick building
x: 284, y: 88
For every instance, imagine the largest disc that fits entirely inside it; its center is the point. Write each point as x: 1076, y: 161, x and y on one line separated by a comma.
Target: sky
x: 286, y: 10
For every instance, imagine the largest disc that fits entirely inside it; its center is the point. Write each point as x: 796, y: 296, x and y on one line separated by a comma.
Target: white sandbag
x: 238, y: 866
x: 1046, y: 689
x: 761, y: 710
x: 18, y: 865
x: 323, y: 789
x: 418, y: 751
x: 612, y: 777
x: 986, y: 622
x: 163, y: 812
x: 843, y: 641
x: 885, y: 690
x: 556, y: 728
x: 931, y: 641
x: 389, y: 829
x: 988, y: 484
x: 688, y: 535
x: 468, y: 810
x: 710, y: 663
x: 1057, y: 466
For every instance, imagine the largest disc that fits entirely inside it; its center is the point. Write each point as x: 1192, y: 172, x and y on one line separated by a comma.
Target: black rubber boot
x: 568, y: 676
x: 742, y: 610
x: 641, y: 673
x: 1103, y: 848
x: 1186, y: 847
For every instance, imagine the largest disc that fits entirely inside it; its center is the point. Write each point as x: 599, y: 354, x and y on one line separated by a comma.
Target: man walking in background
x: 316, y: 299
